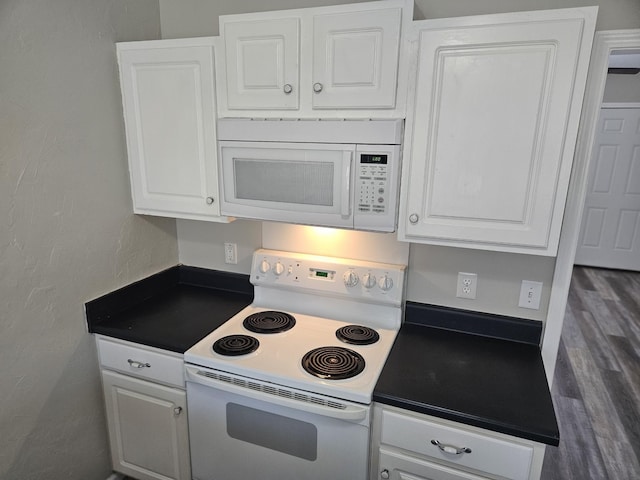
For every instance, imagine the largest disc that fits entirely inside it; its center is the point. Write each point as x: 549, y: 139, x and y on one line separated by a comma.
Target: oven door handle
x: 350, y: 412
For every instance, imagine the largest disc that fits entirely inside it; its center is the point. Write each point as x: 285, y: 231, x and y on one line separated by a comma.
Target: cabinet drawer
x: 141, y: 362
x: 488, y: 454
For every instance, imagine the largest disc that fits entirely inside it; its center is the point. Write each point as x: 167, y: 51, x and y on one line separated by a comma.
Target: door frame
x: 604, y: 43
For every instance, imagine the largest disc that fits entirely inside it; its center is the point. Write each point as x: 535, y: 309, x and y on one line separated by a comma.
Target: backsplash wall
x: 432, y: 270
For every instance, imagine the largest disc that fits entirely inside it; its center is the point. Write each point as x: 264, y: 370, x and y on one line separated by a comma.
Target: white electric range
x: 284, y: 387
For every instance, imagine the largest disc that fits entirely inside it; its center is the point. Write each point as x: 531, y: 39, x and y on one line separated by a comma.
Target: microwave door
x: 288, y: 182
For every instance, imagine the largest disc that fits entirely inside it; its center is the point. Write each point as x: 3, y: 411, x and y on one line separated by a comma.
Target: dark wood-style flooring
x: 596, y: 389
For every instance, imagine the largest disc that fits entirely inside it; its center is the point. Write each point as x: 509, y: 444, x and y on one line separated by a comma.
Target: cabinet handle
x: 317, y: 87
x: 177, y: 411
x: 413, y: 218
x: 384, y: 474
x: 450, y: 448
x: 136, y: 364
x: 210, y: 200
x: 287, y: 88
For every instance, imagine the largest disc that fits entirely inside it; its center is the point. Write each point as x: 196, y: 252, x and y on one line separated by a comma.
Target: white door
x: 355, y: 59
x: 148, y: 428
x: 496, y: 111
x: 262, y: 57
x: 610, y: 231
x: 168, y: 96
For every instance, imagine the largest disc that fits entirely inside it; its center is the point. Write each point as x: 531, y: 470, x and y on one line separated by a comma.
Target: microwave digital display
x: 377, y: 159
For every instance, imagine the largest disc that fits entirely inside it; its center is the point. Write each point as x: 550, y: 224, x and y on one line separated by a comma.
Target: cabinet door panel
x: 262, y: 64
x: 168, y: 96
x: 149, y: 437
x: 496, y: 111
x: 401, y: 467
x: 355, y: 59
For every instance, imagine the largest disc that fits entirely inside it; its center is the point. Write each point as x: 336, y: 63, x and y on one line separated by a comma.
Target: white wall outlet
x: 467, y: 283
x: 231, y: 253
x: 530, y: 294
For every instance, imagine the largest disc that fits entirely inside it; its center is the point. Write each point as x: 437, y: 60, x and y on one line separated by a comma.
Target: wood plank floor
x: 596, y: 388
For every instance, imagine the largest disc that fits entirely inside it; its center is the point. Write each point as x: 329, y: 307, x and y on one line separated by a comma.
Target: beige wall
x: 67, y: 233
x: 188, y: 18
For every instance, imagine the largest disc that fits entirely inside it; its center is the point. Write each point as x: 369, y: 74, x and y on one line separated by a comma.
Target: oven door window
x: 277, y: 432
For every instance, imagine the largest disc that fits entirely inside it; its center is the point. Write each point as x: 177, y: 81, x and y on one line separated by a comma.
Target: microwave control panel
x: 373, y: 183
x: 376, y: 187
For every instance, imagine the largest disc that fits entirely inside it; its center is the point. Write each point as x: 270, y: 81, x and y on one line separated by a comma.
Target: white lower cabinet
x: 147, y: 421
x: 410, y: 446
x: 396, y: 466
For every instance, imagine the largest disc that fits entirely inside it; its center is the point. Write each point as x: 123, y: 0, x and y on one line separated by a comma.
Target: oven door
x: 240, y: 428
x: 306, y: 183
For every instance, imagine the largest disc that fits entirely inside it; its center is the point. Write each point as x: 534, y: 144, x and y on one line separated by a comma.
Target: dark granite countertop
x: 172, y: 309
x: 476, y: 369
x: 488, y: 378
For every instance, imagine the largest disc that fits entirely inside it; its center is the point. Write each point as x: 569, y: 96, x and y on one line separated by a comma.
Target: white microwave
x: 327, y: 172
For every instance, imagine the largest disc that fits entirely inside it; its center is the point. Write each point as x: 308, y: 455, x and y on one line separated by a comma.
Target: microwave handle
x: 345, y: 208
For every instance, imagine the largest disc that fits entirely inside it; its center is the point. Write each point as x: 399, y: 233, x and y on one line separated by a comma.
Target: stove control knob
x: 278, y: 269
x: 368, y: 280
x: 350, y: 278
x: 264, y: 266
x: 385, y: 283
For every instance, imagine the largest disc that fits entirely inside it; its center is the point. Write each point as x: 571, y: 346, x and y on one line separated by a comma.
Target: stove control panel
x: 379, y: 282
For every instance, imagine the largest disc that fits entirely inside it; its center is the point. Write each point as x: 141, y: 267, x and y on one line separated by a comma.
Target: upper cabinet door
x: 169, y: 108
x: 491, y: 139
x: 262, y: 69
x: 355, y: 59
x: 339, y: 61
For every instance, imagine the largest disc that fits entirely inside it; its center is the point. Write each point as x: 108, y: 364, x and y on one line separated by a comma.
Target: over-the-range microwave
x: 334, y: 173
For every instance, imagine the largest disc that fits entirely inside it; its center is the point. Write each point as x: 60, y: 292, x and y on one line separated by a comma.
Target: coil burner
x: 234, y: 345
x: 333, y: 363
x: 357, y: 335
x: 269, y: 322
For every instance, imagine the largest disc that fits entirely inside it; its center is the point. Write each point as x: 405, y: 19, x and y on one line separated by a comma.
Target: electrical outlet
x: 231, y: 253
x: 530, y: 294
x: 467, y: 284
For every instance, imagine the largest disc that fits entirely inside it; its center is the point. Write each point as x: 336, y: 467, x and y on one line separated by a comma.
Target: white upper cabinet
x: 262, y: 64
x: 355, y: 59
x: 490, y: 137
x: 168, y: 94
x: 328, y: 62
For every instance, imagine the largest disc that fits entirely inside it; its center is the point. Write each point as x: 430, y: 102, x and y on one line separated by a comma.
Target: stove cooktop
x: 278, y: 357
x: 348, y: 309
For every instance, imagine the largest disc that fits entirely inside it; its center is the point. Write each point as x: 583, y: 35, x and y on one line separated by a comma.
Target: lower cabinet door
x: 148, y: 429
x: 395, y: 466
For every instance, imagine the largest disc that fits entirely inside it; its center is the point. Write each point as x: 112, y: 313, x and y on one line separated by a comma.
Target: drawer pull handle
x: 450, y: 448
x: 136, y: 364
x: 177, y: 411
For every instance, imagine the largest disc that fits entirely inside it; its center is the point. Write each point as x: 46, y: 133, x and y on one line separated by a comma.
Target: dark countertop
x: 476, y: 369
x: 494, y: 383
x: 172, y: 309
